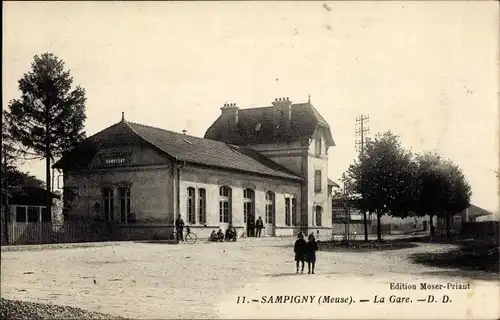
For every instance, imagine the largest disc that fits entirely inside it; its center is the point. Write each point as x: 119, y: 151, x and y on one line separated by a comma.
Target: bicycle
x: 190, y: 237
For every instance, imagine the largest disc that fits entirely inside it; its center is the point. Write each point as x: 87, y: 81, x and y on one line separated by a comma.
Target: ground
x: 204, y: 280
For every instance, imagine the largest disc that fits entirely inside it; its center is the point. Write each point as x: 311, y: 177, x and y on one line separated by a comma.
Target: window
x: 317, y: 181
x: 107, y: 194
x: 33, y: 213
x: 124, y: 204
x: 287, y: 211
x: 20, y: 214
x: 294, y: 211
x: 319, y: 213
x: 269, y: 207
x: 224, y: 204
x: 317, y: 148
x: 202, y: 206
x: 248, y: 204
x: 191, y: 215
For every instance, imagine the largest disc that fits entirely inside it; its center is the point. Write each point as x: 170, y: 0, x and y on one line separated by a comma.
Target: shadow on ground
x: 362, y: 246
x: 474, y: 256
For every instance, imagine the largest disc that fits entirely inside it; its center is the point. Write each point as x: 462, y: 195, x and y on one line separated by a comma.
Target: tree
x: 49, y: 117
x: 385, y: 176
x: 434, y: 187
x: 444, y: 190
x: 459, y: 194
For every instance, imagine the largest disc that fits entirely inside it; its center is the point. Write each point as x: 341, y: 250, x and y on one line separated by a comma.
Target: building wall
x: 212, y: 179
x: 289, y: 155
x: 151, y: 193
x: 318, y: 162
x: 147, y: 172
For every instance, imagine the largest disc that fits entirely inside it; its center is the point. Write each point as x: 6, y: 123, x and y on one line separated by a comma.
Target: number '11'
x: 241, y: 299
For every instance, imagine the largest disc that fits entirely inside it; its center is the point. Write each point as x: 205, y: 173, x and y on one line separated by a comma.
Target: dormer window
x: 318, y: 146
x: 257, y: 127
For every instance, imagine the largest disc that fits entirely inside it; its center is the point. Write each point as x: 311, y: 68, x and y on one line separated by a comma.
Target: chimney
x: 282, y: 113
x: 230, y: 111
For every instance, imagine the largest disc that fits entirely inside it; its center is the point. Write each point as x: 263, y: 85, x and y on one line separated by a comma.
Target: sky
x: 427, y: 71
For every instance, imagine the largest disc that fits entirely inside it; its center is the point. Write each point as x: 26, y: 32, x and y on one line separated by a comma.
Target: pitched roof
x: 31, y: 196
x: 332, y: 183
x: 476, y: 211
x: 197, y: 151
x: 255, y: 126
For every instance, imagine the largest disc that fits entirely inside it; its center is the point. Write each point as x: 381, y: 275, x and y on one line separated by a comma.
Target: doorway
x: 270, y: 221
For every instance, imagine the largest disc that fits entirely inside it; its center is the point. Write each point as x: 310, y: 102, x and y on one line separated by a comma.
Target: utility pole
x: 362, y: 130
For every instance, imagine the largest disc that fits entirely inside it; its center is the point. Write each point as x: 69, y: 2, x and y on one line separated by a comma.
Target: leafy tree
x: 459, y: 195
x: 444, y: 191
x: 386, y: 177
x: 49, y: 117
x: 434, y: 187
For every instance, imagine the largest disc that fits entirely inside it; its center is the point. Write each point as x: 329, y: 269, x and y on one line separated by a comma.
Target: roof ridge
x: 253, y: 108
x: 166, y: 130
x: 232, y: 147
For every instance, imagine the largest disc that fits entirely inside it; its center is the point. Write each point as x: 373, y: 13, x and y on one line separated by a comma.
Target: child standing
x: 300, y: 251
x: 311, y: 248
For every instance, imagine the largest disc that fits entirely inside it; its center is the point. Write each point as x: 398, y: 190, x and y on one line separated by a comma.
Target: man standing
x: 179, y: 226
x: 251, y: 227
x: 259, y: 225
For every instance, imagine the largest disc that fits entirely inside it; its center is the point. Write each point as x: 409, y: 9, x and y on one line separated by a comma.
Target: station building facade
x: 269, y: 162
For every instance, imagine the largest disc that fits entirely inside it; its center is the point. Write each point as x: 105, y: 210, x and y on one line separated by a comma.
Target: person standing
x: 300, y: 251
x: 311, y: 248
x: 251, y: 227
x: 259, y: 225
x: 179, y: 226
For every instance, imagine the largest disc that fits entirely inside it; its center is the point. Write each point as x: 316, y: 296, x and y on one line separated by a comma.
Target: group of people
x: 255, y: 229
x: 305, y: 251
x: 219, y: 236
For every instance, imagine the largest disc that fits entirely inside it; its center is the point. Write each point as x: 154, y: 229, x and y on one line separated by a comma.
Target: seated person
x: 220, y: 235
x: 213, y: 236
x: 230, y: 234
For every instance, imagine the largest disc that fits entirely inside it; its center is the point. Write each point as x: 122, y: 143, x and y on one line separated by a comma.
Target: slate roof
x: 189, y: 149
x: 304, y: 120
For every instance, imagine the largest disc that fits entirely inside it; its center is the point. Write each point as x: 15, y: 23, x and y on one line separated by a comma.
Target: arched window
x: 269, y: 207
x: 202, y: 206
x: 248, y: 204
x: 224, y: 204
x: 191, y: 216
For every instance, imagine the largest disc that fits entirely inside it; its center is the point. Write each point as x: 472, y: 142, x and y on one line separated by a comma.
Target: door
x: 270, y: 219
x: 225, y: 214
x: 249, y: 212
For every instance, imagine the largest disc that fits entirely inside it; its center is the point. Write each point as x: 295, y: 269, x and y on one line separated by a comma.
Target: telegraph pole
x: 362, y: 130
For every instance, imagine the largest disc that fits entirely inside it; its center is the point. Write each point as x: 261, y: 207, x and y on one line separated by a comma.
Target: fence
x: 47, y: 232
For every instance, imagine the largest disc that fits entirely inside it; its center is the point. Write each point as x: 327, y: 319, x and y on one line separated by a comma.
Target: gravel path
x: 21, y: 310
